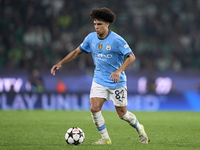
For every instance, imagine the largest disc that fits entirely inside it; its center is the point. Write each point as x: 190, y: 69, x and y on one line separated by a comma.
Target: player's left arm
x: 116, y: 75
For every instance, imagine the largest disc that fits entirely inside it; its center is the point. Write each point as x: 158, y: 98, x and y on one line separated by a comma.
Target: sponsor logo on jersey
x: 102, y: 57
x: 100, y: 46
x: 108, y: 47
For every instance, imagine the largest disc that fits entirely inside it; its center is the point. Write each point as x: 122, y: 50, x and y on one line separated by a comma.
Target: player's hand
x: 54, y: 68
x: 115, y: 76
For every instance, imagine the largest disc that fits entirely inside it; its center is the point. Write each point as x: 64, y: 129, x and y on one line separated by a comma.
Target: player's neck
x: 103, y: 36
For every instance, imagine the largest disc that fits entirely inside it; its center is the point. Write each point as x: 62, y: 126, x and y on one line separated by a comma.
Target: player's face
x: 101, y: 28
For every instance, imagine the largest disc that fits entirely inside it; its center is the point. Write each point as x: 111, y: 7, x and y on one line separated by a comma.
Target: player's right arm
x: 70, y: 57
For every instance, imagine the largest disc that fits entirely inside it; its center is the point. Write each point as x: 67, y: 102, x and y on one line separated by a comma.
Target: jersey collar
x: 106, y: 36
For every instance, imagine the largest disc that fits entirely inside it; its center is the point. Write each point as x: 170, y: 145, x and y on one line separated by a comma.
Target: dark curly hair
x: 104, y: 14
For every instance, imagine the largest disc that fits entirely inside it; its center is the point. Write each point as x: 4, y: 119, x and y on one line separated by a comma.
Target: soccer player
x: 108, y: 50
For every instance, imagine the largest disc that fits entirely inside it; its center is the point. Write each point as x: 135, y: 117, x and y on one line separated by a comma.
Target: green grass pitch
x: 45, y: 130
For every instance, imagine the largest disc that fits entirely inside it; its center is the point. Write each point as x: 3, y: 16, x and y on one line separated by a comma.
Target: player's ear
x: 107, y: 23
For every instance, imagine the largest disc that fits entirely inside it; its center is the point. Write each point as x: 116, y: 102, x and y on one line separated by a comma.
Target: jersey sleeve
x: 123, y: 46
x: 85, y: 46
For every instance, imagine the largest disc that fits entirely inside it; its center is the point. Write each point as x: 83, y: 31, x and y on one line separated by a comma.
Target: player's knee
x: 121, y: 114
x: 129, y: 117
x: 94, y: 109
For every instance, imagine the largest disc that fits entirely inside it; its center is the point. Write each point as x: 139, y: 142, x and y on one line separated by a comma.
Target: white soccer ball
x: 74, y: 136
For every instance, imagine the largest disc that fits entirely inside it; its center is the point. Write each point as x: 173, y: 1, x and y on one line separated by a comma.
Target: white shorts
x: 117, y: 96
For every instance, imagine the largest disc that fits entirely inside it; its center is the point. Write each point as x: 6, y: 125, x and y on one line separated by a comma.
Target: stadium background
x: 36, y: 34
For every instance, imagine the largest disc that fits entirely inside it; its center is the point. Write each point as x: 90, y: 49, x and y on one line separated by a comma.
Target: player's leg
x: 124, y: 114
x: 98, y: 119
x: 97, y: 98
x: 119, y: 98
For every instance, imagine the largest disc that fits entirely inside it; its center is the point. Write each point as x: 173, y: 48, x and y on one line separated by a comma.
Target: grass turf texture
x: 45, y: 130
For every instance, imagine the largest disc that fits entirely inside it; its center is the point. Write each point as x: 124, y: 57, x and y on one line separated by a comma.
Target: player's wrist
x: 59, y: 64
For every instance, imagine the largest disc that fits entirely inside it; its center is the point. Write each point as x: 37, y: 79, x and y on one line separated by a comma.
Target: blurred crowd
x: 36, y: 34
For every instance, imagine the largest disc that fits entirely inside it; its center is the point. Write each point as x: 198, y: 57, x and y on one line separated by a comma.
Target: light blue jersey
x: 108, y: 55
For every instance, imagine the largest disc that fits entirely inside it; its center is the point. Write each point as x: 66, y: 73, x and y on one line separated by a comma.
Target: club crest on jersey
x: 108, y: 47
x: 100, y: 46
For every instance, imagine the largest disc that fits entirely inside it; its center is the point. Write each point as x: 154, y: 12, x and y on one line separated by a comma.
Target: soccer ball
x: 74, y: 136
